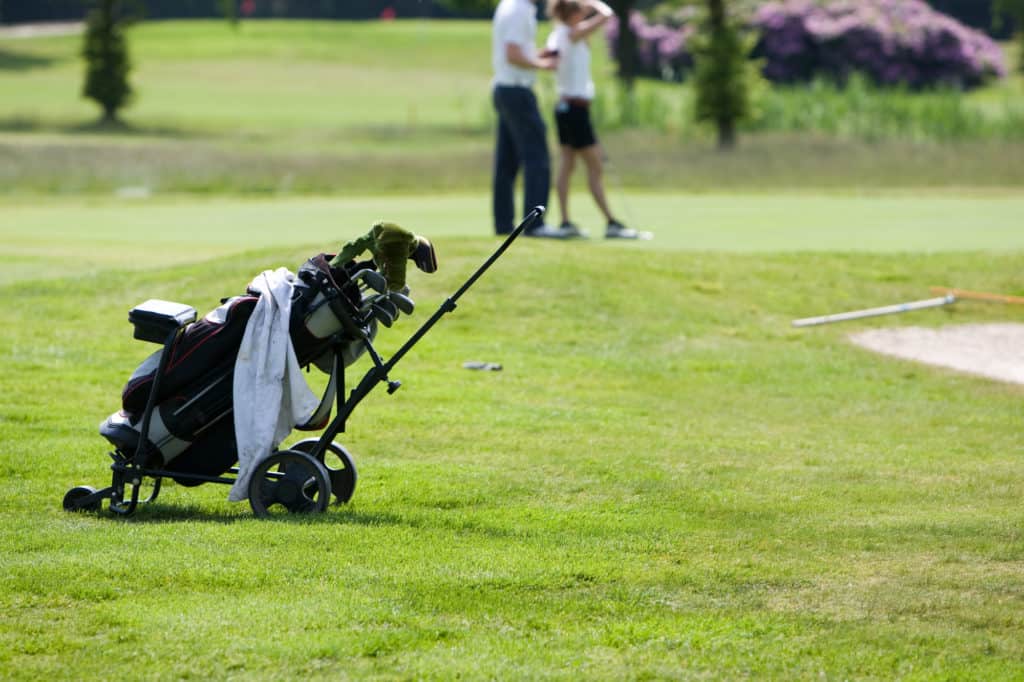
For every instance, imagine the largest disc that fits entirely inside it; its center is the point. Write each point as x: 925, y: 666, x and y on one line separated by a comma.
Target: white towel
x: 270, y: 394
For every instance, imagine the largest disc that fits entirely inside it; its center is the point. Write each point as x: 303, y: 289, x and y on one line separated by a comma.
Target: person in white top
x: 575, y: 21
x: 521, y: 136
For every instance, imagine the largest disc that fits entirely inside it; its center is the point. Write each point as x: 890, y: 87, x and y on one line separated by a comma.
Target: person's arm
x: 515, y: 55
x: 550, y: 47
x: 600, y: 13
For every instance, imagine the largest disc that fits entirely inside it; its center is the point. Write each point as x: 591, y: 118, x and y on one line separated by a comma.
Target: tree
x: 229, y: 8
x: 1014, y: 10
x: 625, y: 47
x: 106, y: 56
x: 724, y: 76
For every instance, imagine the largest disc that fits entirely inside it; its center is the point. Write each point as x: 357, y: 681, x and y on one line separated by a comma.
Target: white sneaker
x: 572, y: 231
x: 546, y: 231
x: 617, y: 230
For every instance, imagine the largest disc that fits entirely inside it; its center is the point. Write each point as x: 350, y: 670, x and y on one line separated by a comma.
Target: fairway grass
x: 665, y: 481
x: 80, y: 236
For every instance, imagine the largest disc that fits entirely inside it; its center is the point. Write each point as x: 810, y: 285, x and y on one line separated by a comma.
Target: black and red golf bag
x: 191, y: 429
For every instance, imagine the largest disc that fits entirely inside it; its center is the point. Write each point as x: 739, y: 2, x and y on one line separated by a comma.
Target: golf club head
x: 403, y: 302
x: 424, y: 255
x: 387, y: 305
x: 381, y: 315
x: 372, y: 279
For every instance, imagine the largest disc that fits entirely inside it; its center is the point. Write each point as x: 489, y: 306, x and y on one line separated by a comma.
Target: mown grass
x: 80, y: 236
x: 343, y: 108
x: 46, y: 166
x: 665, y: 481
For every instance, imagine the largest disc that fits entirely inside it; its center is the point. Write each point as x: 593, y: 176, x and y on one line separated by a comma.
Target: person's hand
x: 548, y: 63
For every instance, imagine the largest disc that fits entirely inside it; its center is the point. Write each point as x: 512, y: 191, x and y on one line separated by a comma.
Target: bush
x: 663, y: 50
x: 892, y: 42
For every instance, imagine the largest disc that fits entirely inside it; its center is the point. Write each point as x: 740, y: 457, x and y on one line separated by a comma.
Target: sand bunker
x: 995, y: 351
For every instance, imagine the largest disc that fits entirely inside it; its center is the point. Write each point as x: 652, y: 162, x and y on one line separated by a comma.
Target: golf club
x: 373, y: 279
x: 403, y: 302
x: 382, y: 315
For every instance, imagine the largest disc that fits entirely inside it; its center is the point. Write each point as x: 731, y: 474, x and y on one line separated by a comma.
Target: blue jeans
x: 521, y: 141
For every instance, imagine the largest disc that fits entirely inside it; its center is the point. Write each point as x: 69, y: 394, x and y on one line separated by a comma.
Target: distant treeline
x: 975, y: 13
x: 21, y: 11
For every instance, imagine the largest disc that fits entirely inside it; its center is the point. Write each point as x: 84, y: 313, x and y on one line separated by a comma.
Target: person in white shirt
x: 522, y: 136
x: 575, y: 21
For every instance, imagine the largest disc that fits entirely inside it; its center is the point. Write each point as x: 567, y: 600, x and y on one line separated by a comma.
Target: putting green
x: 77, y: 236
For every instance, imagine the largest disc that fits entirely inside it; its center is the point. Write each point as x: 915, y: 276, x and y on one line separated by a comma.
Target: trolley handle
x: 379, y: 371
x: 450, y: 303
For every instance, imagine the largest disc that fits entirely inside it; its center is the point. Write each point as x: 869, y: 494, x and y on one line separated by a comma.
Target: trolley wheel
x: 292, y: 480
x: 343, y: 476
x: 72, y: 497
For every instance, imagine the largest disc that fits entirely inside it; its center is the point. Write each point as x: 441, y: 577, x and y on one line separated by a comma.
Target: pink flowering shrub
x: 662, y: 49
x: 892, y: 42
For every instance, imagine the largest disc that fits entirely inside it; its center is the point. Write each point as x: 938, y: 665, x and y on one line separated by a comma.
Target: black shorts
x: 574, y: 127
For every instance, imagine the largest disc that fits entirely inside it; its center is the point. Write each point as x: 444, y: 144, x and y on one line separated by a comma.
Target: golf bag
x: 175, y: 417
x: 191, y: 429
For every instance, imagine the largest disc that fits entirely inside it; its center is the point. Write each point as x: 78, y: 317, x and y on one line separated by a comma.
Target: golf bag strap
x: 322, y: 413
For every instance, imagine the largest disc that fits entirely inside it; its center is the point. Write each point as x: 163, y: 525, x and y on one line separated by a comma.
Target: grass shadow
x: 17, y: 61
x: 190, y: 512
x: 157, y: 513
x: 99, y: 126
x: 123, y: 128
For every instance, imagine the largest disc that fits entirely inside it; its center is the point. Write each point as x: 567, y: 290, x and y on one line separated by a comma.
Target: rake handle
x: 979, y: 295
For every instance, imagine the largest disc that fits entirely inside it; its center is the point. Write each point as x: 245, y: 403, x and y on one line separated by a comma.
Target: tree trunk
x: 626, y: 47
x: 726, y: 126
x: 726, y: 134
x: 716, y: 10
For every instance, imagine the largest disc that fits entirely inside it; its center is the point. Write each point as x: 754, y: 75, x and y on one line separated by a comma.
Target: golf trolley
x: 176, y: 420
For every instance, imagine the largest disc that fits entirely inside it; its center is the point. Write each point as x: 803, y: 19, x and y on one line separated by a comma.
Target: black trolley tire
x: 300, y: 484
x: 72, y: 496
x: 343, y: 478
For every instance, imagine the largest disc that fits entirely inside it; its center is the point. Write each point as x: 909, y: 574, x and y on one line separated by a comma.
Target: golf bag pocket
x: 206, y: 344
